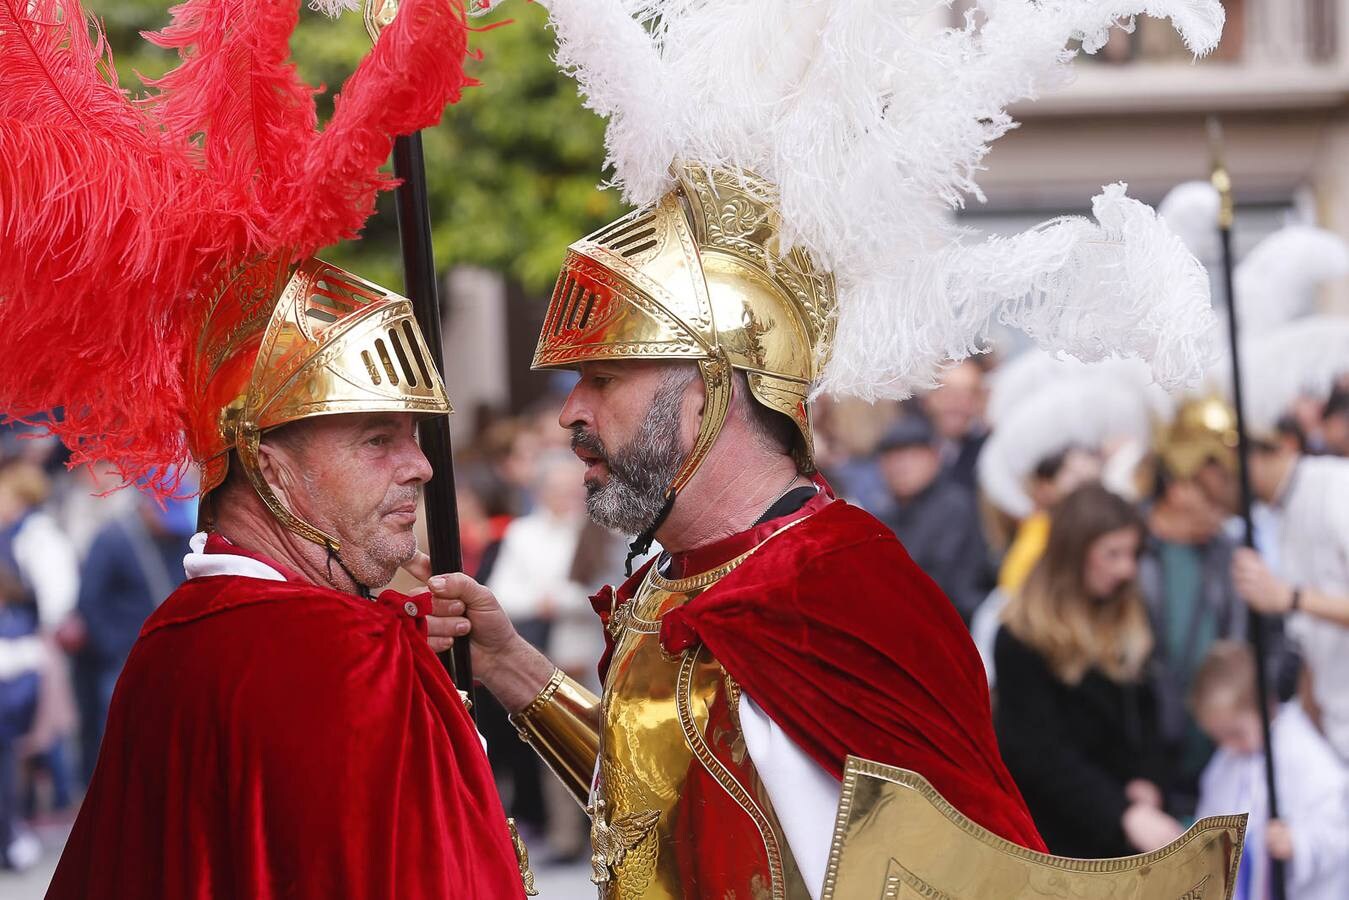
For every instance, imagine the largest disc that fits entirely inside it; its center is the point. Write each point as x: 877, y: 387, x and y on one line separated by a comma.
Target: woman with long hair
x: 1075, y: 713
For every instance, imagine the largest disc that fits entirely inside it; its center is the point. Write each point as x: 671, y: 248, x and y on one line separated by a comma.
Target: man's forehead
x: 341, y: 424
x: 632, y: 366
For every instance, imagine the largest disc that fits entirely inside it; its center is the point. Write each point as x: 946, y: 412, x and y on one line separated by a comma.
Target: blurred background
x: 967, y: 475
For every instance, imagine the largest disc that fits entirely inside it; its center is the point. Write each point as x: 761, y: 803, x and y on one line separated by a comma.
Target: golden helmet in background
x: 1203, y: 430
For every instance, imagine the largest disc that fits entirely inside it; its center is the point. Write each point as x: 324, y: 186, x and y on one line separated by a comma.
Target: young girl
x: 1075, y: 715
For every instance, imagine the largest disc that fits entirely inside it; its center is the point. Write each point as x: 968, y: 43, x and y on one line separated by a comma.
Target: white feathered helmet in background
x: 1099, y: 412
x: 1287, y: 354
x: 1030, y: 371
x: 1277, y: 281
x: 1305, y: 358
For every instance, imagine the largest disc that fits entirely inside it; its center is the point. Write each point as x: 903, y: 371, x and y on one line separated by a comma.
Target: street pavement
x: 570, y: 882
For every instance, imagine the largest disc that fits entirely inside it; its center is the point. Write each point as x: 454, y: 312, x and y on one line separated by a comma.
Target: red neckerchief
x: 717, y: 553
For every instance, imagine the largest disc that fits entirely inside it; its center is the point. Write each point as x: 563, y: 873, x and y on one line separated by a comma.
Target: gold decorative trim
x: 712, y: 576
x: 561, y: 724
x: 703, y: 753
x: 545, y: 696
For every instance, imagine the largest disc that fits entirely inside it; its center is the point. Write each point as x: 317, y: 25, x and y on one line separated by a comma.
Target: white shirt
x: 47, y: 563
x: 1314, y: 553
x: 804, y: 796
x: 532, y: 576
x: 1313, y: 786
x: 199, y: 564
x: 534, y: 566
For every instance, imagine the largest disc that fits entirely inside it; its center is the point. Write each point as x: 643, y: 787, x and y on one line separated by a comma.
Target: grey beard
x: 640, y: 473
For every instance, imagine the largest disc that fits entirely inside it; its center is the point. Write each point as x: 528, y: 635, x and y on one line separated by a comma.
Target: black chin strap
x: 641, y: 545
x: 361, y: 589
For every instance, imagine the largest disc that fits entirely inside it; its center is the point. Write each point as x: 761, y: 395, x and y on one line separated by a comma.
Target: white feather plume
x: 1302, y: 358
x: 1191, y: 210
x: 1090, y: 412
x: 1277, y: 280
x: 873, y: 125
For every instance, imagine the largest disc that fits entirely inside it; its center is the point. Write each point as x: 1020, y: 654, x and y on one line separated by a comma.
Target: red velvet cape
x: 851, y: 649
x: 279, y: 740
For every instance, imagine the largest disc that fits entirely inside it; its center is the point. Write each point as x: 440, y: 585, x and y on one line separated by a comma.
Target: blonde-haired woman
x: 1075, y: 714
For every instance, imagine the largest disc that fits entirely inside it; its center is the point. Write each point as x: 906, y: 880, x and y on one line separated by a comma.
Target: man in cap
x: 1184, y: 571
x: 933, y: 513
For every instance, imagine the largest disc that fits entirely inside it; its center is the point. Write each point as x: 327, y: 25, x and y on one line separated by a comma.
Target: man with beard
x: 780, y: 630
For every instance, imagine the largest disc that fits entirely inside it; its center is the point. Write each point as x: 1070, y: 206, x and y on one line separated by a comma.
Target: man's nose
x: 417, y: 469
x: 575, y: 411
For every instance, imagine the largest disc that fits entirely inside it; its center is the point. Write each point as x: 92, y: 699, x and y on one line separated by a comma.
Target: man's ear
x: 695, y: 400
x: 277, y: 470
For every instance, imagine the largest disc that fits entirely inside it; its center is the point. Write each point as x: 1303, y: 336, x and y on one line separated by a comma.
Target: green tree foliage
x: 512, y: 169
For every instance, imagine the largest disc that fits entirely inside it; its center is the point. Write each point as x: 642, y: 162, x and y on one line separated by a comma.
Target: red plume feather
x: 116, y: 214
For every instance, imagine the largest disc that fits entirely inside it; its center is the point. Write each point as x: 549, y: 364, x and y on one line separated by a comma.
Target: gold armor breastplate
x: 679, y: 811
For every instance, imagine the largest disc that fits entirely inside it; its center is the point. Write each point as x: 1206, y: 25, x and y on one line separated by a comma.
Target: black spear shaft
x: 419, y: 281
x: 1222, y: 181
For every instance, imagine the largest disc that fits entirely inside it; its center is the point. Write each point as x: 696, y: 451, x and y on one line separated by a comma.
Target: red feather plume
x: 116, y: 214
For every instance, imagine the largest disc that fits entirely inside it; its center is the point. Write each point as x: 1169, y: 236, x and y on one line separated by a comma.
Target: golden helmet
x: 279, y: 342
x: 1203, y: 430
x: 699, y: 276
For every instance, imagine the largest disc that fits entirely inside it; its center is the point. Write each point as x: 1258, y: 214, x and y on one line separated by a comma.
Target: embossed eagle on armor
x: 611, y: 841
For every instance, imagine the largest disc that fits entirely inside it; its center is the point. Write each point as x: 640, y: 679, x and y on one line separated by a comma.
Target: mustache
x: 404, y: 498
x: 591, y: 443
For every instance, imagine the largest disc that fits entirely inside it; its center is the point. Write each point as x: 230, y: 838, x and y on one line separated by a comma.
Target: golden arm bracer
x: 562, y: 725
x: 896, y: 837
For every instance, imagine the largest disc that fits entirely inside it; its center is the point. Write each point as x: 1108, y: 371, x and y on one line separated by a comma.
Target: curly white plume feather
x: 872, y: 124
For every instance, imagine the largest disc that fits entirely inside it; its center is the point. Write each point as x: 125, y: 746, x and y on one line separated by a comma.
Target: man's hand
x: 460, y: 605
x: 502, y: 660
x: 1148, y: 828
x: 1257, y: 585
x: 1145, y: 792
x: 1278, y: 840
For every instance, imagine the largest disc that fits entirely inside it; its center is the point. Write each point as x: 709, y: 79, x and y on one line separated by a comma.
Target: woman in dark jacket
x: 1075, y: 717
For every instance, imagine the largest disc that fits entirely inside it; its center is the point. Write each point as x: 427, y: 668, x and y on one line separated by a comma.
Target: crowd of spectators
x: 1111, y: 623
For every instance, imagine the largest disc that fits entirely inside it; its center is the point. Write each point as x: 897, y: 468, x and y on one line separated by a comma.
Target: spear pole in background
x: 1222, y: 182
x: 419, y: 283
